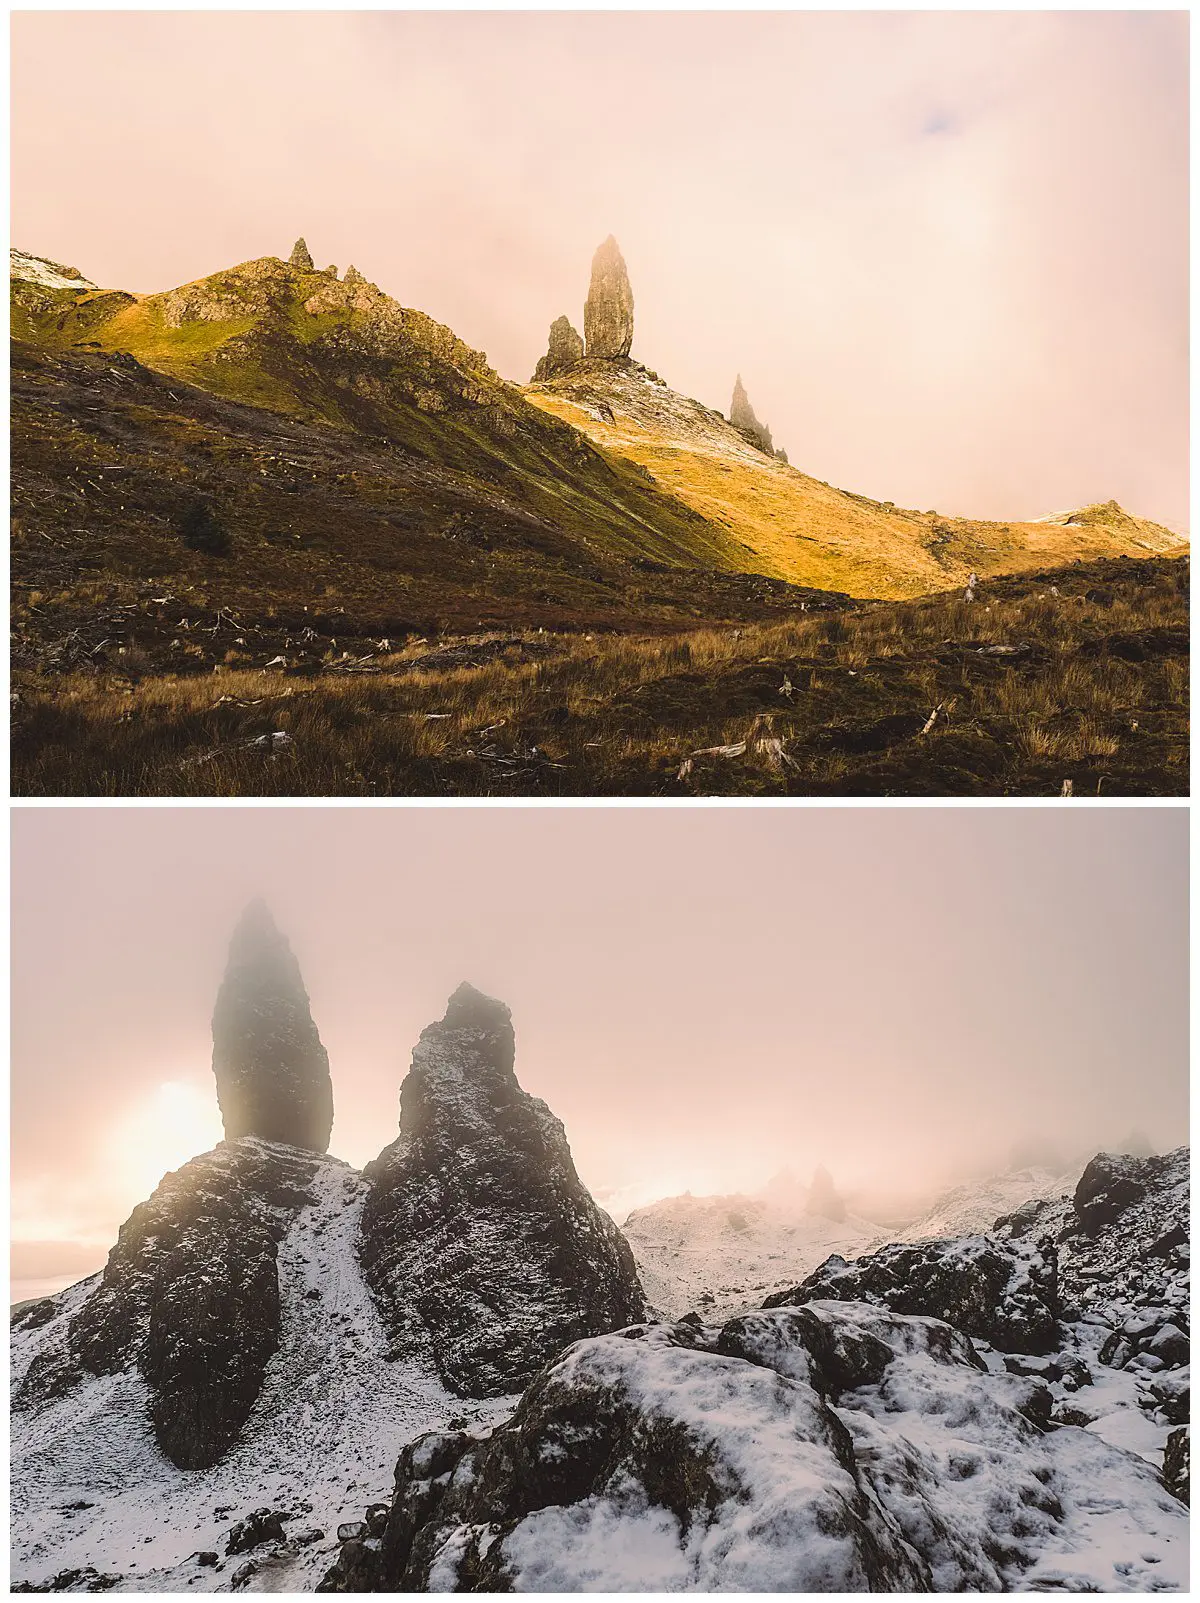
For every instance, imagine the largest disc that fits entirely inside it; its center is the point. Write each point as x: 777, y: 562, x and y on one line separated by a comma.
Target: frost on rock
x: 478, y: 1234
x: 834, y: 1447
x: 1002, y: 1292
x: 271, y: 1070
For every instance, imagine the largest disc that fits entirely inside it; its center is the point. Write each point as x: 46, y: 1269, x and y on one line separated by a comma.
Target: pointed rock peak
x: 478, y: 1237
x: 353, y: 276
x: 469, y: 1009
x: 565, y: 351
x: 300, y: 258
x: 823, y: 1196
x: 743, y: 418
x: 608, y: 314
x: 271, y: 1070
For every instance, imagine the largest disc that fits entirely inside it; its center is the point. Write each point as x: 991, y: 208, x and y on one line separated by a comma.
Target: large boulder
x: 1003, y: 1293
x: 1106, y: 1188
x: 831, y: 1448
x: 565, y: 351
x: 608, y: 312
x: 271, y: 1070
x: 478, y: 1237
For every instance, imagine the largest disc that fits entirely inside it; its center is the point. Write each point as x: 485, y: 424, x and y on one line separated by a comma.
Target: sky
x: 947, y: 251
x: 706, y: 997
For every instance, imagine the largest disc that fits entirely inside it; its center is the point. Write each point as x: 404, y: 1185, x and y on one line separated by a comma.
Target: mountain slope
x: 795, y: 527
x: 353, y: 429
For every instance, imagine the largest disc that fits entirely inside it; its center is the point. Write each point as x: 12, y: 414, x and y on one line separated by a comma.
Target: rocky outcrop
x: 824, y: 1200
x: 478, y: 1236
x: 1108, y: 1185
x: 832, y: 1448
x: 743, y: 418
x: 272, y: 1071
x: 300, y: 258
x: 190, y: 1296
x: 565, y: 351
x: 608, y: 312
x: 996, y: 1291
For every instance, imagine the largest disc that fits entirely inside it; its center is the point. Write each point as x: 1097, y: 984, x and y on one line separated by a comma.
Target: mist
x: 706, y: 997
x: 947, y: 251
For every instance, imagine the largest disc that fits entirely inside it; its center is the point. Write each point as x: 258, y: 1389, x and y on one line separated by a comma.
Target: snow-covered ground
x: 321, y: 1443
x: 720, y: 1255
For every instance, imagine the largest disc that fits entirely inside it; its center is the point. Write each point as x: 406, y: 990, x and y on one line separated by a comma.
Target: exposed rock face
x: 1106, y: 1188
x: 300, y: 258
x: 564, y: 353
x: 190, y: 1295
x: 824, y: 1199
x: 833, y: 1448
x: 478, y: 1235
x: 1001, y: 1293
x: 272, y: 1071
x: 742, y: 416
x: 608, y: 312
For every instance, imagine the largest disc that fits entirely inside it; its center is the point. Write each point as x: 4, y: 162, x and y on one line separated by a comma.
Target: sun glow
x: 175, y: 1122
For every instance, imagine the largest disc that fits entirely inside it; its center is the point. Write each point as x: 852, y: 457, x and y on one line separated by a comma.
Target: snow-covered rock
x: 92, y: 1487
x: 479, y: 1238
x: 49, y: 275
x: 1005, y: 1293
x: 836, y: 1447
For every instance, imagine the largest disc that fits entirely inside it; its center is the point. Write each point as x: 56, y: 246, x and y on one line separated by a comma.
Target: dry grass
x: 1095, y: 692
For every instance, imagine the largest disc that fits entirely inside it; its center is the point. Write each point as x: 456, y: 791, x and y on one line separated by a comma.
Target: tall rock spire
x: 272, y: 1071
x: 743, y: 418
x: 300, y: 257
x: 608, y: 314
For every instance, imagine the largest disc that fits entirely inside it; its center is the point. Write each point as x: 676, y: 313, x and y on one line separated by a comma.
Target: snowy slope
x: 719, y: 1255
x: 37, y: 270
x: 321, y: 1443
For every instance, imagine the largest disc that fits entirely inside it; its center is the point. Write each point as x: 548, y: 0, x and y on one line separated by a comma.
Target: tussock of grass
x: 1095, y: 693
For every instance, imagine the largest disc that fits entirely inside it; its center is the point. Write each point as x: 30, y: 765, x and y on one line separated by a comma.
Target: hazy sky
x: 704, y: 996
x: 947, y: 251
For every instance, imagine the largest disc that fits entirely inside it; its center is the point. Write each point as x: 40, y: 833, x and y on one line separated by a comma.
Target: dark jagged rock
x: 1177, y: 1465
x: 995, y: 1291
x: 815, y: 1449
x: 190, y: 1294
x: 263, y: 1525
x: 608, y: 312
x: 565, y: 351
x: 743, y: 418
x: 1106, y: 1188
x: 272, y: 1071
x: 478, y: 1234
x: 824, y: 1199
x: 300, y: 258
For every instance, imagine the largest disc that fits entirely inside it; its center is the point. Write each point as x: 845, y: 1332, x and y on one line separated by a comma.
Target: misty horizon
x: 947, y: 274
x: 687, y: 991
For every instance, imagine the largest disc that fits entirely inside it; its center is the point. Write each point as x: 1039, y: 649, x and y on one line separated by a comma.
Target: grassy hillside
x: 1076, y: 676
x: 343, y: 358
x: 797, y: 528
